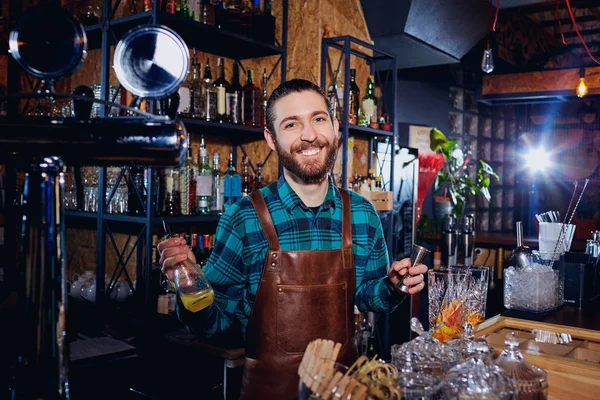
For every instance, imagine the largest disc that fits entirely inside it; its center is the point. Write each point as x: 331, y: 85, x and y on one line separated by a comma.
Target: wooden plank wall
x: 540, y: 82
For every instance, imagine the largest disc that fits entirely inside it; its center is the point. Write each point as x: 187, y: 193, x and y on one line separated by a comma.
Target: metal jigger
x: 417, y: 255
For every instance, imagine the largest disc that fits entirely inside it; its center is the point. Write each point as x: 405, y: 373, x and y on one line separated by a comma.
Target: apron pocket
x: 307, y: 313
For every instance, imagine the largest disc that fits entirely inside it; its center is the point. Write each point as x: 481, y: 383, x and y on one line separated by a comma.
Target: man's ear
x: 270, y: 139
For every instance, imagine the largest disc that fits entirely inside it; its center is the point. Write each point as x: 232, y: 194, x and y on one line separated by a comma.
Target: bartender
x: 291, y: 260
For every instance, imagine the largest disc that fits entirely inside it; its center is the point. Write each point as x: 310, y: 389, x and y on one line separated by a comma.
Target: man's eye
x: 320, y: 119
x: 290, y: 125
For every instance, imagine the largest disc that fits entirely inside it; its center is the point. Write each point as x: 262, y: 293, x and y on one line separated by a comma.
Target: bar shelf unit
x: 382, y: 66
x: 204, y: 38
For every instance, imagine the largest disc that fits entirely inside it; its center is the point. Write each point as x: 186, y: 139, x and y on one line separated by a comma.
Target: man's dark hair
x: 292, y: 86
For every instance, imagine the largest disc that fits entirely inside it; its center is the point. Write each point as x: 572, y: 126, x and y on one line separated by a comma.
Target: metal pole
x: 44, y: 350
x: 344, y: 123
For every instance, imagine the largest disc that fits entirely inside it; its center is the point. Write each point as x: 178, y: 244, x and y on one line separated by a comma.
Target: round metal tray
x: 48, y: 42
x: 151, y: 61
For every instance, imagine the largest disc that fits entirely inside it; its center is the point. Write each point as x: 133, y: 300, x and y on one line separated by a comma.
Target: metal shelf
x: 187, y: 219
x: 204, y: 38
x: 232, y: 131
x: 180, y: 219
x: 80, y: 214
x: 367, y: 132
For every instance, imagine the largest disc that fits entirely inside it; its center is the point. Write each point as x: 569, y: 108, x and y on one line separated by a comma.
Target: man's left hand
x: 398, y: 271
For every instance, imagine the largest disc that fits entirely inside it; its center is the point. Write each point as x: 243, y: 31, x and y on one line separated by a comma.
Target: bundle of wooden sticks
x: 365, y: 379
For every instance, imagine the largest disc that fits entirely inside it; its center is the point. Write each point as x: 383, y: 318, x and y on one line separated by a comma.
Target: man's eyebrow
x: 295, y: 117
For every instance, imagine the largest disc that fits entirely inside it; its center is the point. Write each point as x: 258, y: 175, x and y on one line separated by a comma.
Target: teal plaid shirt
x: 235, y: 266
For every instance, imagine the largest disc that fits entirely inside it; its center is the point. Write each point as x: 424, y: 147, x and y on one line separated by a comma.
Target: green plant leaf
x: 488, y: 169
x: 486, y: 193
x: 485, y: 182
x: 439, y: 142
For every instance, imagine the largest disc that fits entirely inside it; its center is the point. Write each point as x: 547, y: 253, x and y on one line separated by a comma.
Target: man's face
x: 305, y: 137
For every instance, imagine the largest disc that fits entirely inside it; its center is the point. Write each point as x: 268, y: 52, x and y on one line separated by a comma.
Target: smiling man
x: 291, y: 261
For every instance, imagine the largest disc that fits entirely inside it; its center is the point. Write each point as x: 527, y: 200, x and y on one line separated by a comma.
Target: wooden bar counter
x: 574, y: 368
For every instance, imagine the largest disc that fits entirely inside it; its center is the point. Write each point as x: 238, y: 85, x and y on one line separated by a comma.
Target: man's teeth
x: 310, y: 152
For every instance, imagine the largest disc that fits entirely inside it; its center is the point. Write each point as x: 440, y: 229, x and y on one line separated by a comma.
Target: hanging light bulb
x: 487, y: 63
x: 582, y: 88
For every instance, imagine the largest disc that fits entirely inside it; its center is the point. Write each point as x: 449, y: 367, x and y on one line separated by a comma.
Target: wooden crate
x: 573, y: 369
x: 383, y: 201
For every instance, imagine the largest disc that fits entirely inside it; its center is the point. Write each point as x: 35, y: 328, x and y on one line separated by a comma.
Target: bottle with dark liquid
x: 264, y: 100
x: 233, y: 96
x: 354, y: 99
x: 207, y: 12
x: 251, y: 101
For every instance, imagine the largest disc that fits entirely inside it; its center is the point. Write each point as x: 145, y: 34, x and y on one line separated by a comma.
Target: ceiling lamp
x: 582, y: 88
x: 487, y: 62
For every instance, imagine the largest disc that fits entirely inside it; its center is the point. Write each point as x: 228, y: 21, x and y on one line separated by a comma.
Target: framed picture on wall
x: 418, y: 138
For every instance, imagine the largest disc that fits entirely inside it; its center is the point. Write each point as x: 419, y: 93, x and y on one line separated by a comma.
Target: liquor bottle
x: 234, y: 16
x: 203, y: 182
x: 232, y: 183
x: 207, y: 12
x: 220, y: 14
x: 171, y: 205
x: 170, y: 6
x: 221, y: 85
x: 369, y: 105
x: 354, y: 99
x: 246, y: 18
x: 264, y: 100
x: 216, y: 205
x: 187, y: 184
x: 211, y: 94
x: 187, y: 90
x: 199, y: 92
x: 378, y: 184
x: 251, y: 95
x: 136, y: 192
x: 332, y: 96
x: 234, y: 94
x: 263, y: 24
x: 258, y: 182
x: 246, y: 188
x: 194, y: 9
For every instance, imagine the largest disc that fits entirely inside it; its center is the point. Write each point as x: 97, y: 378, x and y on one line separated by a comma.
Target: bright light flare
x: 538, y: 160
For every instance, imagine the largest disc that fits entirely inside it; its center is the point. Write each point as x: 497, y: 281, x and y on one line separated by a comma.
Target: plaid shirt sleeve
x: 372, y: 293
x: 225, y: 272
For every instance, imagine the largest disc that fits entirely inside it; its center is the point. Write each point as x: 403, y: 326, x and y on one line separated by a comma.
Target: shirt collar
x: 290, y: 199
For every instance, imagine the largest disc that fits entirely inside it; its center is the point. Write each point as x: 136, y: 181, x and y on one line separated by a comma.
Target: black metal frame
x: 149, y: 220
x: 377, y: 59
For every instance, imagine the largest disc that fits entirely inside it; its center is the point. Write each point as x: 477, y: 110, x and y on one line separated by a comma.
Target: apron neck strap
x: 264, y: 217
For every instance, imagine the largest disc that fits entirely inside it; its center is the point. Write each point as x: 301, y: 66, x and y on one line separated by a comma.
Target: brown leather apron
x: 303, y: 295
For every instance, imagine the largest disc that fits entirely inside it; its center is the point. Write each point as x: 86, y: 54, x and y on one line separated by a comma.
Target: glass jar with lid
x: 531, y: 381
x: 424, y: 354
x: 479, y: 378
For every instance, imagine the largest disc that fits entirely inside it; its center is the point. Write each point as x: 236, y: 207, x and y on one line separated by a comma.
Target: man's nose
x: 309, y: 133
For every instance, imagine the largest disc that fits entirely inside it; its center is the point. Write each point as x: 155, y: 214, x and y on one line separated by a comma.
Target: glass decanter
x: 532, y: 382
x: 479, y: 378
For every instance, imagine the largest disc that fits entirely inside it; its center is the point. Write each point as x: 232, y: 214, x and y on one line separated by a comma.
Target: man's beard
x: 311, y: 171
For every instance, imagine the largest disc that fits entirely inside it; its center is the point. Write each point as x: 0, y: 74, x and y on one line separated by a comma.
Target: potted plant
x: 453, y: 179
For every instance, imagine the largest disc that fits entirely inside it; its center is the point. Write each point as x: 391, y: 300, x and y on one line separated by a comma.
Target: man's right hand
x: 173, y: 251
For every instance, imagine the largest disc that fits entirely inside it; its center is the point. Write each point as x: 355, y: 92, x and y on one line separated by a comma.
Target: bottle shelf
x: 180, y: 219
x: 368, y: 132
x: 232, y: 131
x: 204, y: 38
